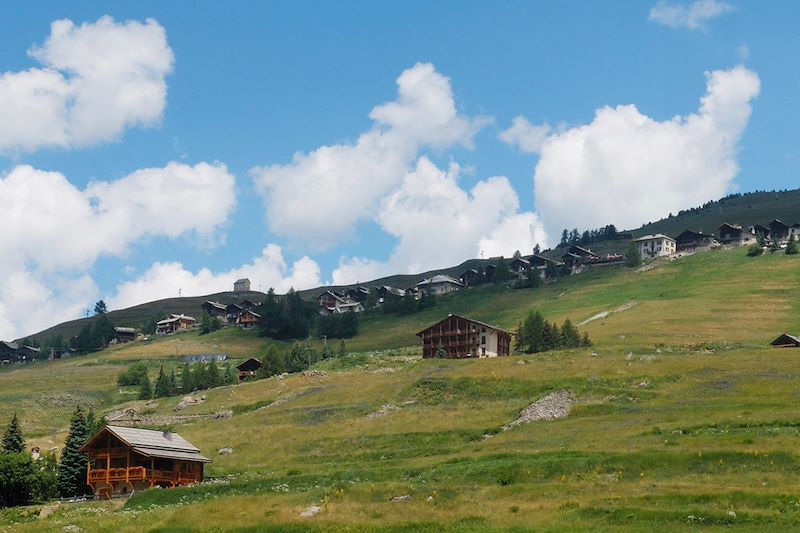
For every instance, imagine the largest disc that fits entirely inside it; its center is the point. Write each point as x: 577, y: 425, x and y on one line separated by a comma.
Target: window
x: 483, y: 339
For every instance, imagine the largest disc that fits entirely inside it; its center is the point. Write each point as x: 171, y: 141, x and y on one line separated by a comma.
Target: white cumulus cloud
x: 163, y: 280
x: 320, y: 196
x: 96, y: 80
x: 437, y: 224
x: 523, y: 135
x: 626, y: 168
x: 691, y: 16
x: 53, y: 231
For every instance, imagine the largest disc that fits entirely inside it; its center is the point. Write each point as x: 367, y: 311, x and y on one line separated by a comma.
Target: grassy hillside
x: 682, y: 417
x: 747, y: 209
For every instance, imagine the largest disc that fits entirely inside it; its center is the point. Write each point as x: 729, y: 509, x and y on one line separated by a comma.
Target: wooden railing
x: 137, y: 473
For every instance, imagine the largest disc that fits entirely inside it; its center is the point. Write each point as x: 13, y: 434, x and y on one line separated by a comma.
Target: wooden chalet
x: 357, y: 294
x: 489, y: 271
x: 786, y: 341
x: 469, y: 276
x: 232, y: 313
x: 439, y: 284
x: 385, y: 290
x: 9, y: 351
x: 778, y: 230
x: 124, y: 459
x: 215, y: 310
x: 690, y: 241
x: 577, y: 255
x: 794, y: 231
x: 337, y: 302
x: 248, y: 319
x: 519, y: 266
x: 462, y: 337
x: 248, y: 304
x: 124, y: 335
x: 735, y: 235
x: 248, y: 369
x: 175, y: 323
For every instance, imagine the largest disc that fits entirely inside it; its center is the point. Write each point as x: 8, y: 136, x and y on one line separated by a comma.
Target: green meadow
x: 682, y: 418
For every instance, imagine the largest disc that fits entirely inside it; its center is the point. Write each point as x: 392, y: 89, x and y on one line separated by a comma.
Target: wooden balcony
x: 140, y: 473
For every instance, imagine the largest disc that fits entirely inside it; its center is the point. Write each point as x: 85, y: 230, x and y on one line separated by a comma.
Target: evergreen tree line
x: 94, y: 336
x: 337, y: 326
x: 24, y: 480
x: 575, y: 237
x: 300, y: 357
x: 287, y: 317
x: 535, y: 334
x: 198, y: 376
x: 209, y: 323
x: 394, y: 304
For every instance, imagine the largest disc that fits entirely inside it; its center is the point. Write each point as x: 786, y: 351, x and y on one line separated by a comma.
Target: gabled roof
x: 215, y: 305
x: 519, y: 260
x: 249, y: 312
x: 732, y: 226
x: 248, y: 362
x: 9, y: 345
x: 152, y: 443
x: 786, y: 340
x: 451, y: 315
x: 439, y: 278
x: 120, y: 329
x: 653, y: 237
x: 175, y: 318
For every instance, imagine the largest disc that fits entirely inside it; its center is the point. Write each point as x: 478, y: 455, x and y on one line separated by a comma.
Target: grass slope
x: 682, y: 418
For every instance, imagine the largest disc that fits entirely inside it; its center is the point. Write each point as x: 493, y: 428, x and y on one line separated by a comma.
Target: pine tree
x: 342, y: 349
x: 12, y: 438
x: 501, y: 272
x: 162, y: 386
x: 72, y: 468
x: 145, y: 388
x: 632, y: 257
x: 186, y: 379
x: 94, y: 424
x: 228, y: 377
x: 173, y: 382
x: 791, y: 246
x: 214, y: 378
x: 570, y: 337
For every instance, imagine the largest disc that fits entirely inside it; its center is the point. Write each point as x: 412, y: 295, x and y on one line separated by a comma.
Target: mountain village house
x: 174, y: 324
x: 461, y: 337
x: 439, y: 284
x: 657, y: 245
x: 248, y: 319
x: 786, y: 341
x: 124, y: 459
x: 337, y: 302
x: 734, y: 235
x: 693, y: 241
x: 124, y: 335
x: 248, y: 369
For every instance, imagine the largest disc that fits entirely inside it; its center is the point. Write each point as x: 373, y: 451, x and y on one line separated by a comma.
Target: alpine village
x: 421, y: 395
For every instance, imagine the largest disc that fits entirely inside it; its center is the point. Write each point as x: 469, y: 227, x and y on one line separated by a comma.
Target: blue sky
x: 298, y: 143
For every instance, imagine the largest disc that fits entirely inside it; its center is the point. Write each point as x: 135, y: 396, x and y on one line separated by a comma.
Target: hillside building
x: 458, y: 337
x: 248, y: 369
x: 216, y: 310
x: 577, y: 255
x: 248, y: 319
x: 439, y: 284
x: 124, y: 459
x: 779, y: 231
x: 692, y: 241
x: 658, y: 245
x: 336, y: 302
x: 124, y: 335
x: 734, y: 235
x: 786, y: 341
x: 469, y: 277
x: 174, y: 324
x: 241, y: 285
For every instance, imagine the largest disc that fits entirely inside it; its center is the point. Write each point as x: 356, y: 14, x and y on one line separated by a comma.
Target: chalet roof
x: 484, y: 324
x: 653, y: 237
x: 215, y: 305
x: 786, y: 339
x: 152, y: 443
x: 9, y: 345
x: 731, y: 226
x: 249, y: 312
x: 519, y: 260
x: 439, y: 278
x: 234, y: 307
x: 777, y: 222
x: 335, y: 294
x: 248, y: 363
x: 175, y: 318
x: 469, y: 271
x: 579, y: 250
x: 121, y: 329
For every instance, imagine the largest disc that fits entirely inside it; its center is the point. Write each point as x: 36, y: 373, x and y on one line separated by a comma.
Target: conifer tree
x: 145, y: 388
x: 186, y: 379
x: 791, y: 246
x: 12, y: 438
x: 214, y: 377
x: 342, y: 349
x: 228, y: 377
x: 173, y: 382
x: 72, y: 468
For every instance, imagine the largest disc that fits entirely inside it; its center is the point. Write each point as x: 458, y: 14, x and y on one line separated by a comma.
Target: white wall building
x: 655, y: 245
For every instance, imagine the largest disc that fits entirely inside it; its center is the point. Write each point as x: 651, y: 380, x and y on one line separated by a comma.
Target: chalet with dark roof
x: 458, y: 337
x: 778, y: 230
x: 248, y: 319
x: 577, y: 255
x: 336, y: 302
x: 469, y: 277
x: 735, y: 235
x: 439, y: 284
x: 124, y: 459
x: 215, y: 310
x: 174, y: 324
x: 248, y: 369
x: 691, y: 241
x: 786, y: 341
x: 125, y: 335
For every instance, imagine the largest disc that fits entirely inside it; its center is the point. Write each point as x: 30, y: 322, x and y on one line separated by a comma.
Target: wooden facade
x: 786, y: 341
x: 248, y: 319
x: 462, y: 337
x: 249, y: 368
x: 124, y: 459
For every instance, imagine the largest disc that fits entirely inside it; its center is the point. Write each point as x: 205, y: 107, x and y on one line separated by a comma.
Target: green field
x: 682, y: 417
